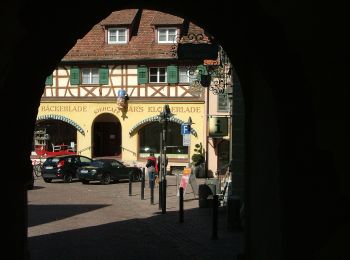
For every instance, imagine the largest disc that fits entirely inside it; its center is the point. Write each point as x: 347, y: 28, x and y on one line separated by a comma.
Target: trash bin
x: 205, y: 196
x: 213, y: 185
x: 212, y: 188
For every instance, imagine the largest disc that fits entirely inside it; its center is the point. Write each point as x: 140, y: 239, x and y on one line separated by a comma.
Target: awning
x: 62, y: 118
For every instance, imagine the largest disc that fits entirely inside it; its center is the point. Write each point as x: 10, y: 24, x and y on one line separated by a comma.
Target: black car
x: 63, y: 167
x: 107, y: 170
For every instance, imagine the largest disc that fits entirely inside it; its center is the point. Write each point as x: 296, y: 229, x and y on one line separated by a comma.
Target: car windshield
x: 52, y: 160
x: 97, y: 163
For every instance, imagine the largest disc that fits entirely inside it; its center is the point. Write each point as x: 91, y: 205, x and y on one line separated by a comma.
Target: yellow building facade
x: 81, y: 106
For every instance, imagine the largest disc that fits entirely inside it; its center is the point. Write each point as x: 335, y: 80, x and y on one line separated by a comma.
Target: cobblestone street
x: 76, y: 221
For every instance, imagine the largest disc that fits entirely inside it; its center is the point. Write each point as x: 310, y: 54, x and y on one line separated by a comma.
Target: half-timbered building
x: 106, y: 95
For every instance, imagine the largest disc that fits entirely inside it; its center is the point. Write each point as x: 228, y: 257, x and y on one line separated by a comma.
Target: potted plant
x: 198, y: 160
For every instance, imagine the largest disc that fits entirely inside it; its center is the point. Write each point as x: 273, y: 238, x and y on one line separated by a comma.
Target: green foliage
x: 198, y: 157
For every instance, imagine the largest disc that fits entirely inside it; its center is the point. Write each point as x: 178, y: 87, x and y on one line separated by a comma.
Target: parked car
x: 107, y: 170
x: 63, y: 167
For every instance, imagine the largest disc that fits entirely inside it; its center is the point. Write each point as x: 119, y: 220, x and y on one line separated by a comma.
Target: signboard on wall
x: 185, y: 129
x: 218, y: 126
x: 186, y: 140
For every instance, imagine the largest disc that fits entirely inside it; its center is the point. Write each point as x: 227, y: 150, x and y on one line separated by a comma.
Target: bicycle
x: 37, y: 167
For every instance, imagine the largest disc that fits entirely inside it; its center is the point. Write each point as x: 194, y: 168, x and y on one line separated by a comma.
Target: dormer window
x: 167, y: 35
x: 117, y: 35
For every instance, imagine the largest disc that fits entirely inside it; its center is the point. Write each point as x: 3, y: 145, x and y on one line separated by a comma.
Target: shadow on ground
x: 160, y: 236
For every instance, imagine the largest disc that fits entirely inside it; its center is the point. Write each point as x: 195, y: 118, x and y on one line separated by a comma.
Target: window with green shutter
x: 202, y: 70
x: 104, y: 76
x: 172, y: 74
x: 142, y: 75
x: 49, y: 80
x: 74, y: 76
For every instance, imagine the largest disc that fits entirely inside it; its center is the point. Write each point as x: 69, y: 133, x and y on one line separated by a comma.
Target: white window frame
x: 158, y: 75
x: 90, y: 74
x: 189, y: 78
x: 167, y: 29
x: 117, y: 31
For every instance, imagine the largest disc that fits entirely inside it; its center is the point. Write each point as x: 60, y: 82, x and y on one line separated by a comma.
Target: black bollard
x: 130, y: 184
x: 160, y: 187
x: 181, y: 205
x: 164, y: 197
x: 143, y: 184
x: 152, y: 191
x: 215, y: 217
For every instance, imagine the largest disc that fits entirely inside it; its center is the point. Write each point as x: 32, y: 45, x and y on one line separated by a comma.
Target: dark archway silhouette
x: 291, y: 67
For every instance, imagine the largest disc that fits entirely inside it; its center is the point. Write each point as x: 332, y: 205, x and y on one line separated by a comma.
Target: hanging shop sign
x: 218, y: 126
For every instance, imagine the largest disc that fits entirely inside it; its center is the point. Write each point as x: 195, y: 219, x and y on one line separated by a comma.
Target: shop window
x: 149, y: 141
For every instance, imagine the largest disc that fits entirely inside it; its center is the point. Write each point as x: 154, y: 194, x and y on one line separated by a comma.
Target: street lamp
x: 163, y: 120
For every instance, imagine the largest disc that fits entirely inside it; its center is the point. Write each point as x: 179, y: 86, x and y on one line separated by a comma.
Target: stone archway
x: 280, y: 64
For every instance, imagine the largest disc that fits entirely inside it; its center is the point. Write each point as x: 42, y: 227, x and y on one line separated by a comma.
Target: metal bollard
x: 160, y: 187
x: 130, y: 184
x: 164, y: 197
x: 215, y: 217
x: 143, y: 184
x: 181, y: 205
x: 152, y: 191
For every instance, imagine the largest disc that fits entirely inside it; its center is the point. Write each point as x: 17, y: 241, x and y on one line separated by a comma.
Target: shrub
x: 198, y: 157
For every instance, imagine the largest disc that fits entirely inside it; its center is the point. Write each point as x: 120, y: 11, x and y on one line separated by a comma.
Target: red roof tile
x: 166, y: 19
x: 122, y: 17
x: 142, y: 44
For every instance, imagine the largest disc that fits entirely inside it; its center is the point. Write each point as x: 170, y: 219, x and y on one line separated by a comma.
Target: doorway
x: 106, y: 136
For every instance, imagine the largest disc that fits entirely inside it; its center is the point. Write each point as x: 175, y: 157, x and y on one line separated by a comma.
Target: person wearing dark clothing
x: 151, y: 168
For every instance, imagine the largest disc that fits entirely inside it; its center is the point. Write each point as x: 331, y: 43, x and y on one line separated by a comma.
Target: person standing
x: 151, y: 168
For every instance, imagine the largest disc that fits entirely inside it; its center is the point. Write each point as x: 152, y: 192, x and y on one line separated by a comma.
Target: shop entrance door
x: 107, y: 139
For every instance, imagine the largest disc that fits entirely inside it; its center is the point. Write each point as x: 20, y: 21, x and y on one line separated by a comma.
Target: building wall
x: 84, y: 114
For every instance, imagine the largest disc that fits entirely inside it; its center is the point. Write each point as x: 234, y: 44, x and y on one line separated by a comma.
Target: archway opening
x: 106, y: 136
x: 49, y: 134
x: 149, y: 141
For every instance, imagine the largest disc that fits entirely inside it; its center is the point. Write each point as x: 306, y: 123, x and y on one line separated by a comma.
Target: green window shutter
x: 49, y: 80
x: 172, y: 74
x: 202, y: 70
x: 74, y: 76
x: 104, y: 76
x: 142, y: 75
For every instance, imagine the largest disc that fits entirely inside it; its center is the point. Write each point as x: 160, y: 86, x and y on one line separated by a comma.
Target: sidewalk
x: 104, y: 222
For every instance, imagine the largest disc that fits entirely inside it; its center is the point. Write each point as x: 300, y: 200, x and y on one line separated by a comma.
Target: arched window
x: 149, y: 141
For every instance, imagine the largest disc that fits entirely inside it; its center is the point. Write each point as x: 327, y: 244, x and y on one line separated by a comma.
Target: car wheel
x: 47, y: 180
x: 106, y: 179
x: 67, y: 178
x: 85, y: 182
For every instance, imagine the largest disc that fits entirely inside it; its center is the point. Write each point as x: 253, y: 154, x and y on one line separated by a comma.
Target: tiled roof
x: 123, y: 17
x: 142, y: 43
x: 166, y: 19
